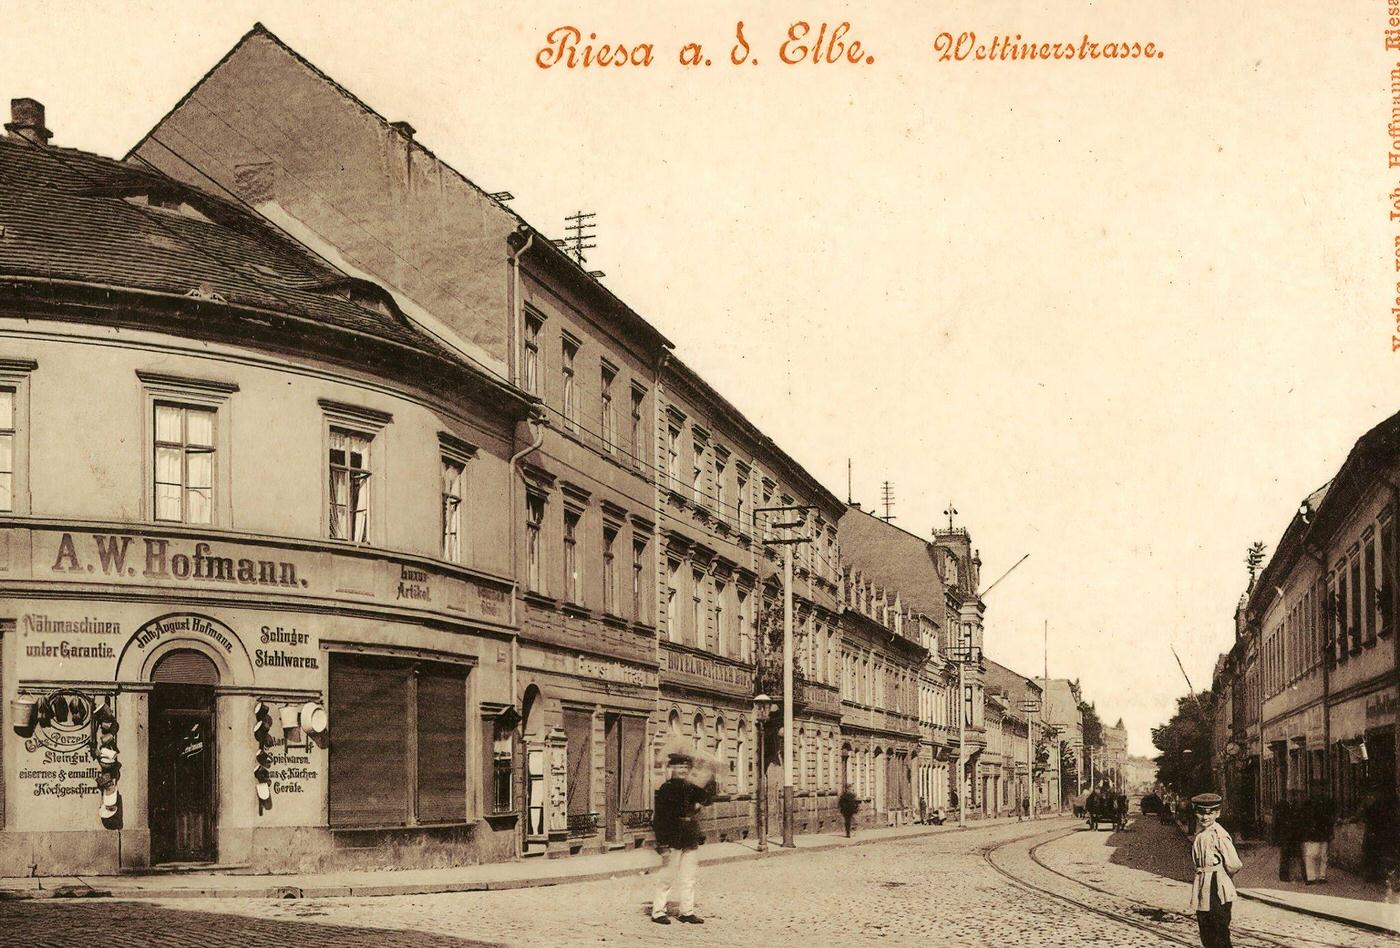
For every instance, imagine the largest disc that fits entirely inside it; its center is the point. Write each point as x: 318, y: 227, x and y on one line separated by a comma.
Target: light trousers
x: 1315, y: 861
x: 677, y: 871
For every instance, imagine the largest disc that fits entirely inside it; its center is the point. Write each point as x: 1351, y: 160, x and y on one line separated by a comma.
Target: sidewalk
x: 1344, y: 898
x: 521, y: 873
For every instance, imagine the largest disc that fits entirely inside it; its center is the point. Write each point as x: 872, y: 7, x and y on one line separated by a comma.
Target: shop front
x: 144, y: 726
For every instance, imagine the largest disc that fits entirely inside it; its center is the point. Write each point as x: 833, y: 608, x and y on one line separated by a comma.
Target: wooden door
x: 181, y: 769
x: 612, y: 776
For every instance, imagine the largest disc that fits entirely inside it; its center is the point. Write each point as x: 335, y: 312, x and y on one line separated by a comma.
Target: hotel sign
x: 688, y: 668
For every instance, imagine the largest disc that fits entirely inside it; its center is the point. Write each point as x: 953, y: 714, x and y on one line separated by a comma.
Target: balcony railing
x: 583, y: 824
x: 636, y: 819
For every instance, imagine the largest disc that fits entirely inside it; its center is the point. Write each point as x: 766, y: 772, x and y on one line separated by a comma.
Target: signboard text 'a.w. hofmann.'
x: 114, y: 557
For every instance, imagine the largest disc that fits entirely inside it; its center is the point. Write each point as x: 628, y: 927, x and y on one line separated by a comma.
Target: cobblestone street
x: 943, y: 888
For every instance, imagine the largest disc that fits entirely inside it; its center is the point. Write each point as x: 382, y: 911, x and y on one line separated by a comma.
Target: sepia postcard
x: 892, y: 473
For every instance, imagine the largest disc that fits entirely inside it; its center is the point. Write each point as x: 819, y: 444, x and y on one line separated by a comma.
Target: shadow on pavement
x: 1152, y: 846
x: 121, y: 924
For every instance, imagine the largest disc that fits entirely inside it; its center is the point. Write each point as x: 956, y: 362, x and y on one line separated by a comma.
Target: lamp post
x: 763, y: 705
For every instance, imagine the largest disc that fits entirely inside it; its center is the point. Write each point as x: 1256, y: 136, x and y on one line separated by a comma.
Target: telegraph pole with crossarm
x: 787, y: 543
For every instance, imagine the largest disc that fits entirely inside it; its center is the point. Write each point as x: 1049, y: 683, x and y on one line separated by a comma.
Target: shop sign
x: 493, y: 602
x: 280, y: 658
x: 617, y: 672
x: 413, y: 584
x: 56, y: 764
x: 145, y: 559
x: 1380, y: 709
x: 66, y: 639
x: 185, y: 624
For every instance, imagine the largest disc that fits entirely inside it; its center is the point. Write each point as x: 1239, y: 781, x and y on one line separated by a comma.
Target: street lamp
x: 763, y: 706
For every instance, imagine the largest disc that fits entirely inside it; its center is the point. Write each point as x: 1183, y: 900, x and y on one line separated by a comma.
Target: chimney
x: 27, y: 121
x: 403, y: 128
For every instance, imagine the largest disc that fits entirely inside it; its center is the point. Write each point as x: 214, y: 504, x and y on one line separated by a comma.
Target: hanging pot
x: 23, y: 711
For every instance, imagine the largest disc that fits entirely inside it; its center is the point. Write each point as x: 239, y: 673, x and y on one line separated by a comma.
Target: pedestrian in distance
x: 1025, y: 809
x: 676, y: 824
x: 848, y: 804
x: 1212, y: 892
x: 1320, y: 817
x: 1288, y: 837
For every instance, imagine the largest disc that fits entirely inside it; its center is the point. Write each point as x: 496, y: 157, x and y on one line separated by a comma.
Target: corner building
x: 238, y: 480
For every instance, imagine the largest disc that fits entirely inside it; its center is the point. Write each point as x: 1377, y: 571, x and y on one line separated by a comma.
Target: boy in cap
x: 1212, y: 893
x: 676, y: 823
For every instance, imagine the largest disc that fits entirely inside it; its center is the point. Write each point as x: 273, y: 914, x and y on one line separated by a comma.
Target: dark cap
x: 678, y: 758
x: 1206, y: 802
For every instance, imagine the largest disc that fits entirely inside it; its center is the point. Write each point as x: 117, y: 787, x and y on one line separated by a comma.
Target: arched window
x: 741, y: 758
x: 725, y: 777
x: 698, y: 735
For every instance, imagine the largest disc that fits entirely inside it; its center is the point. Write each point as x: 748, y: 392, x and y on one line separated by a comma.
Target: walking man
x: 676, y: 823
x: 1212, y: 892
x: 1321, y: 815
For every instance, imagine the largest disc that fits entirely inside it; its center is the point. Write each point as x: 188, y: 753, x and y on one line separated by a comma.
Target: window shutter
x: 578, y: 728
x: 634, y: 734
x: 369, y: 744
x: 442, y: 744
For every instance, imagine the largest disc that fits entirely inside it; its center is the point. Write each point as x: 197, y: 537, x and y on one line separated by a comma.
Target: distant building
x: 1311, y: 677
x: 1062, y: 700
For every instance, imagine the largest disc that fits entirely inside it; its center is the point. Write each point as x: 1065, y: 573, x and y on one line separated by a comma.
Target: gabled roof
x: 543, y: 247
x: 68, y: 216
x: 1017, y: 687
x: 895, y: 559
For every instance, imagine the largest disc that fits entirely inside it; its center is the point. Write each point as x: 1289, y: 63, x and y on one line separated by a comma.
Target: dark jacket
x: 1321, y: 815
x: 675, y: 815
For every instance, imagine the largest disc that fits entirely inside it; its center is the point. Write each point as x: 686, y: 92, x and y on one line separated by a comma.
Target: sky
x: 1124, y: 316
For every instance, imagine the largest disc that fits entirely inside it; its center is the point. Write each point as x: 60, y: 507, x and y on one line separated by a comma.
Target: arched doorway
x: 534, y: 730
x: 181, y: 757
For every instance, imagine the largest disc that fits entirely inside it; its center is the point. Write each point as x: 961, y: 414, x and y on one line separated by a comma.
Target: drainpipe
x: 517, y: 328
x: 539, y: 422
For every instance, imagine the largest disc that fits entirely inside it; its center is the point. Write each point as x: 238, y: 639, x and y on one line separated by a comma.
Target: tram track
x: 1173, y: 927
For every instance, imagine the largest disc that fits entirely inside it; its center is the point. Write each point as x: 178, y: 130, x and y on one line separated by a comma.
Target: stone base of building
x: 264, y: 849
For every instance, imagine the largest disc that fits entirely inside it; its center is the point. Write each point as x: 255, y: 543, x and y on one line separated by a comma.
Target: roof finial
x: 950, y: 513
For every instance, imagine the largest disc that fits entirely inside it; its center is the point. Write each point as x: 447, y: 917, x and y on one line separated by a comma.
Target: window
x: 349, y: 485
x: 534, y: 525
x: 400, y: 753
x: 608, y: 421
x: 1387, y: 585
x: 1372, y: 592
x: 673, y: 457
x: 697, y: 471
x: 533, y: 325
x: 572, y: 568
x: 7, y: 450
x: 697, y: 608
x: 500, y: 766
x: 452, y: 471
x: 743, y: 645
x: 184, y: 463
x: 1340, y: 618
x: 609, y: 571
x: 673, y: 579
x: 639, y: 559
x: 1358, y: 593
x: 639, y: 452
x: 570, y: 350
x: 721, y: 503
x: 741, y: 476
x: 698, y: 734
x: 721, y: 627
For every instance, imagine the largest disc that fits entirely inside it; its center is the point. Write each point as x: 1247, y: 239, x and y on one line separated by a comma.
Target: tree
x: 1254, y: 559
x: 1093, y: 736
x: 1185, y: 744
x: 768, y: 677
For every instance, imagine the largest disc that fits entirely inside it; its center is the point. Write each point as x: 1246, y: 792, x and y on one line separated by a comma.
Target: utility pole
x: 787, y: 543
x: 963, y: 655
x: 1030, y: 706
